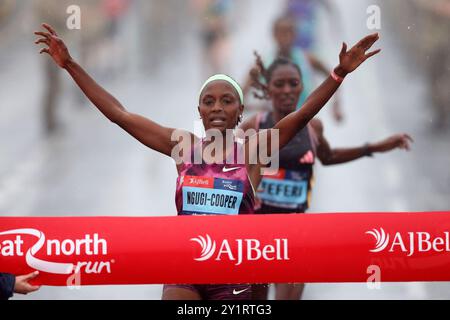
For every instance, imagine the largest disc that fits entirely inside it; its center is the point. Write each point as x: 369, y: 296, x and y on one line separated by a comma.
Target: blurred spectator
x: 115, y: 9
x: 98, y: 47
x: 7, y: 7
x: 54, y: 13
x: 111, y: 49
x: 284, y: 33
x: 162, y: 31
x: 9, y: 13
x: 93, y: 32
x: 433, y: 42
x: 305, y: 13
x: 214, y: 17
x: 424, y: 29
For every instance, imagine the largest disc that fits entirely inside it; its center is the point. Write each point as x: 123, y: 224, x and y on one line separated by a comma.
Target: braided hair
x: 261, y: 76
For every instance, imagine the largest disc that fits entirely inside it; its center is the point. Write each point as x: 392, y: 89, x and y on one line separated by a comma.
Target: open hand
x: 55, y: 46
x: 398, y: 141
x: 23, y: 286
x: 352, y: 59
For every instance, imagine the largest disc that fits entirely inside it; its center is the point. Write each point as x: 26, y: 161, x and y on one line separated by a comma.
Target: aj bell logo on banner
x: 88, y: 246
x: 414, y: 242
x: 276, y: 251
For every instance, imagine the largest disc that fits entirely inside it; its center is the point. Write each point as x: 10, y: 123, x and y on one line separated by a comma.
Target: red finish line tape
x: 242, y: 249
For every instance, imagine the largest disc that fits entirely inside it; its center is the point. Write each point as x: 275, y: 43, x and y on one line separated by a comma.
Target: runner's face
x: 285, y: 88
x: 220, y: 106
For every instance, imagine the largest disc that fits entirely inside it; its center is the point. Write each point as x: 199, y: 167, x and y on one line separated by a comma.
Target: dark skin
x: 284, y: 33
x: 284, y: 89
x: 220, y: 107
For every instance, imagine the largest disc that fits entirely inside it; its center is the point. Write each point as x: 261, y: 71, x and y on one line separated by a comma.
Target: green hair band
x: 228, y: 79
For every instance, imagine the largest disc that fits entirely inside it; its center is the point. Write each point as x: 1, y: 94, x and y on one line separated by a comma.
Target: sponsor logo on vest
x: 238, y: 292
x: 199, y: 181
x: 90, y: 245
x: 246, y: 250
x: 410, y: 243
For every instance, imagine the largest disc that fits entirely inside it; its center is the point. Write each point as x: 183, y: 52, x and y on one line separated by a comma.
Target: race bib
x: 205, y: 195
x: 287, y: 188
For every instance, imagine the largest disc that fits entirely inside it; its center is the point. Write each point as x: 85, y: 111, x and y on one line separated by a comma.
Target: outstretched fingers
x: 406, y: 146
x: 46, y: 36
x: 344, y: 48
x: 50, y: 29
x: 368, y: 41
x: 43, y: 34
x: 31, y: 276
x: 371, y: 54
x: 45, y: 40
x: 45, y: 50
x: 406, y: 142
x: 408, y: 137
x: 42, y: 40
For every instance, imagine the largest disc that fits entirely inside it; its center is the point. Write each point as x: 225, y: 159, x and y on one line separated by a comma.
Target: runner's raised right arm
x: 146, y: 131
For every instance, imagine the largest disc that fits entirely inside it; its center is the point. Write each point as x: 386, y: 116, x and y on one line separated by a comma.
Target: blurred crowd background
x: 58, y: 156
x: 428, y: 47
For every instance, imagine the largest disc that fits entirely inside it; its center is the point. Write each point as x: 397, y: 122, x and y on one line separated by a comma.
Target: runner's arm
x: 349, y: 61
x: 319, y: 66
x: 145, y: 130
x: 330, y: 156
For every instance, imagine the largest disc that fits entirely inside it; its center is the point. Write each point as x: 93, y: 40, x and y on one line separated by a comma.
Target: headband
x: 228, y: 79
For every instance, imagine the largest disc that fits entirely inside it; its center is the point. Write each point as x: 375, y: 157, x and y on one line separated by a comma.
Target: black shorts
x: 217, y: 292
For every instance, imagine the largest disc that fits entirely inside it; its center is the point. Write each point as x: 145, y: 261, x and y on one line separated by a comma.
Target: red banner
x: 241, y: 249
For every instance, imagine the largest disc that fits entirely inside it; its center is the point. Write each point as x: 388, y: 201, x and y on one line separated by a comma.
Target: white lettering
x: 268, y: 250
x: 225, y: 248
x: 423, y: 238
x: 68, y: 247
x: 374, y: 280
x: 74, y: 20
x: 253, y: 247
x: 374, y: 20
x: 254, y: 251
x: 398, y: 241
x: 87, y: 246
x: 286, y: 250
x: 438, y: 242
x: 90, y: 267
x: 447, y: 241
x: 74, y: 281
x: 10, y: 248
